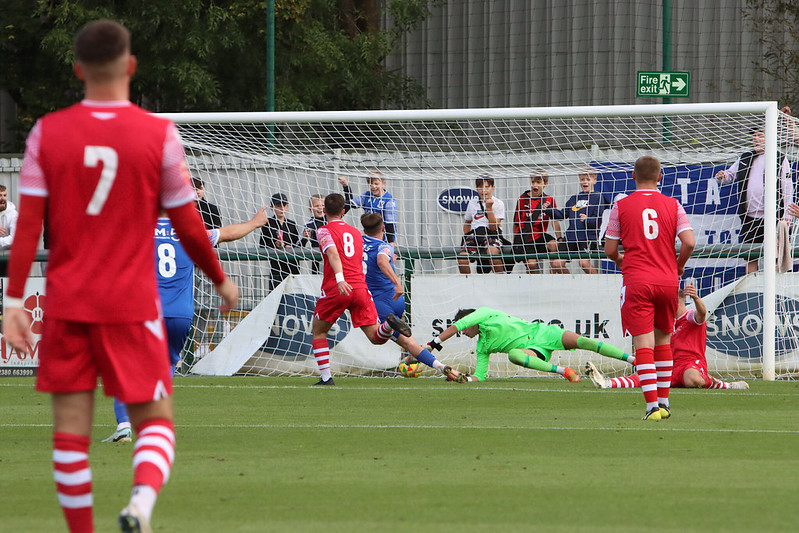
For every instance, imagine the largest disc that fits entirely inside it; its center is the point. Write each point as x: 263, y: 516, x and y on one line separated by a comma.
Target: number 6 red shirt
x: 647, y: 222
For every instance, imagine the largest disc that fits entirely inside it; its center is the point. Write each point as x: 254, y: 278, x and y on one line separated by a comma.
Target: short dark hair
x: 372, y: 223
x: 197, y: 183
x: 462, y: 313
x: 485, y: 178
x: 334, y: 204
x: 101, y: 41
x: 2, y: 188
x: 647, y: 168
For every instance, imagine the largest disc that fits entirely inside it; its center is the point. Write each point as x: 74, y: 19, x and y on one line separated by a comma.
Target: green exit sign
x: 663, y: 84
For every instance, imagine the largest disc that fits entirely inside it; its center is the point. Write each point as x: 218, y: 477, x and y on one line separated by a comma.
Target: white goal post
x: 430, y: 160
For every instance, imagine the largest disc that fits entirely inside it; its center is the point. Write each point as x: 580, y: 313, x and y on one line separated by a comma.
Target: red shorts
x: 646, y: 307
x: 132, y: 360
x: 358, y: 301
x: 678, y: 371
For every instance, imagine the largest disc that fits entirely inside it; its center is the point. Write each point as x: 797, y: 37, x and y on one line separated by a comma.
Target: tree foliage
x: 210, y: 55
x: 776, y: 22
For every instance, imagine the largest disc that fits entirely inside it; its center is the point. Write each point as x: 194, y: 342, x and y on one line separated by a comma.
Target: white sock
x: 123, y: 425
x: 438, y: 365
x: 143, y: 497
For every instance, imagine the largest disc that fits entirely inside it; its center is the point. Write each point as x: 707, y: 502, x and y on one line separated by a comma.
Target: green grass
x: 274, y: 454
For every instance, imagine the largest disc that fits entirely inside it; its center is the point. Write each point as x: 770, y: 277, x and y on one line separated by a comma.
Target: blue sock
x: 121, y: 412
x: 427, y: 358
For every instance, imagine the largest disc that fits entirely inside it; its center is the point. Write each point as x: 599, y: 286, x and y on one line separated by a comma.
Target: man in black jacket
x: 280, y: 233
x: 749, y: 173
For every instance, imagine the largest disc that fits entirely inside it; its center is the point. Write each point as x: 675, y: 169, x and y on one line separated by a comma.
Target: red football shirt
x: 106, y: 168
x: 526, y: 206
x: 349, y: 244
x: 689, y: 339
x: 648, y: 222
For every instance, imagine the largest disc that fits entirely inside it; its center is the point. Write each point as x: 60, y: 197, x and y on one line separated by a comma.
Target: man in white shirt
x: 8, y: 225
x: 749, y: 172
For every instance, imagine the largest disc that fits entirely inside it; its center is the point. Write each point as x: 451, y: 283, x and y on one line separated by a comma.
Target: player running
x: 387, y: 292
x: 528, y: 344
x: 688, y: 344
x: 344, y: 287
x: 175, y: 272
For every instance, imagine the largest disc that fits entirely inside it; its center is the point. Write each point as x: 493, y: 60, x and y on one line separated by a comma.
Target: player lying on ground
x: 387, y: 291
x: 175, y: 272
x: 528, y: 344
x: 688, y: 344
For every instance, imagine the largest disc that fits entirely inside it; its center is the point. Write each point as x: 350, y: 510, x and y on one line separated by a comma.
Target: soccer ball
x: 410, y: 370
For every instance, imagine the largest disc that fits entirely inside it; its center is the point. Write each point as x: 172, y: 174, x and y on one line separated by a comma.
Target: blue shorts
x: 177, y: 331
x: 385, y: 306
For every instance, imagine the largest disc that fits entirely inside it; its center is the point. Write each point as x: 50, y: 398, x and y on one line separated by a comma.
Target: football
x: 410, y: 370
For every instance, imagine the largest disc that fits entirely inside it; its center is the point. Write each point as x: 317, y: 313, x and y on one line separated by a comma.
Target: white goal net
x: 430, y: 161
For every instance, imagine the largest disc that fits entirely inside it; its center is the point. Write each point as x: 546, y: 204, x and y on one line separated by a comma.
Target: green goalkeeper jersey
x: 501, y: 333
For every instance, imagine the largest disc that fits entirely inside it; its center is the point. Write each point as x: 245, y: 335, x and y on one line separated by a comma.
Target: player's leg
x: 68, y: 372
x: 133, y: 361
x: 123, y: 432
x: 72, y: 424
x: 572, y: 341
x: 645, y: 368
x: 153, y: 456
x: 535, y: 360
x: 321, y: 349
x: 364, y: 315
x: 665, y: 313
x: 425, y: 356
x: 693, y: 379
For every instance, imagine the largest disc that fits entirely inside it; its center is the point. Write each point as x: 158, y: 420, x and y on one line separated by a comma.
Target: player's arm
x: 472, y: 319
x: 700, y: 310
x: 612, y: 251
x: 687, y: 240
x: 384, y: 262
x: 481, y: 368
x: 194, y: 239
x: 234, y: 232
x: 338, y: 269
x: 612, y: 237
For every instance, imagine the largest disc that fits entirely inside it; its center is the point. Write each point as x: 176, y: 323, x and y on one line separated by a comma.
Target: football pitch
x: 382, y: 455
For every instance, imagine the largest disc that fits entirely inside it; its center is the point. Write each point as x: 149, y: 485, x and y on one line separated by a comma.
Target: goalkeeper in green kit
x: 528, y: 344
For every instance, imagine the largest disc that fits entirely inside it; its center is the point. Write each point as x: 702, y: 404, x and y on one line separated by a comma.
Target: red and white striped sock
x: 645, y: 367
x: 663, y: 366
x: 73, y: 480
x: 153, y: 456
x: 321, y: 351
x: 714, y: 383
x: 384, y: 332
x: 624, y: 382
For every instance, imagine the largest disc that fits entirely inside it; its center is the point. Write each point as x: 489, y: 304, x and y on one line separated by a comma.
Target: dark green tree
x: 206, y: 55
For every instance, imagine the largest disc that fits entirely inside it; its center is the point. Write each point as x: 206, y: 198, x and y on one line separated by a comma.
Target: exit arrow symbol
x: 678, y: 84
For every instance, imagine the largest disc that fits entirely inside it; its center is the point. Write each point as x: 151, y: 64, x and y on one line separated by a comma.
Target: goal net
x: 430, y: 161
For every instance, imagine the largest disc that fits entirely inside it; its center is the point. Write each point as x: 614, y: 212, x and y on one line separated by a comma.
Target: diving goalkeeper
x: 528, y: 344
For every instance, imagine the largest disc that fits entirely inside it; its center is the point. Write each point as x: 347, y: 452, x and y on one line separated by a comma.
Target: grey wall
x: 509, y: 53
